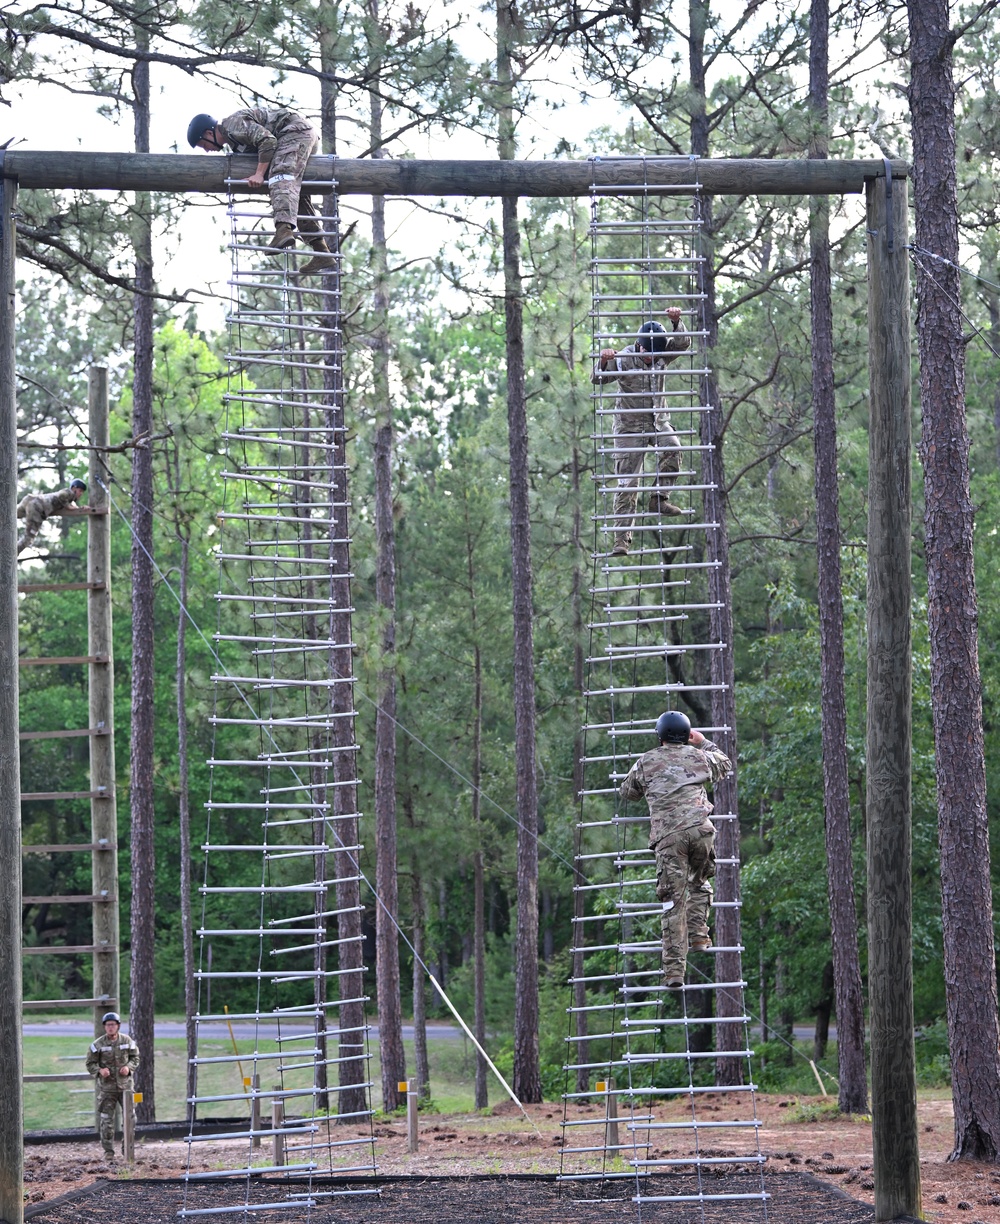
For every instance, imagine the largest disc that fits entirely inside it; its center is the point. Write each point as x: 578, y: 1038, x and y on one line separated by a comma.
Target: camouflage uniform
x: 122, y: 1052
x: 673, y: 779
x: 285, y: 141
x: 35, y: 508
x: 641, y: 422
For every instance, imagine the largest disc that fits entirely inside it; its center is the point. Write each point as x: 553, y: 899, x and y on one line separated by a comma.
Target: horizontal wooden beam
x: 69, y: 899
x: 67, y: 847
x: 38, y: 735
x: 65, y: 949
x: 27, y: 588
x: 91, y: 794
x: 61, y: 659
x: 385, y: 176
x: 46, y: 1004
x: 52, y: 1079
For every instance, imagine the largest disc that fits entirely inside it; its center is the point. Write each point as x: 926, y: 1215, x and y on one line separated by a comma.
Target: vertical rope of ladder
x: 285, y: 611
x: 646, y: 611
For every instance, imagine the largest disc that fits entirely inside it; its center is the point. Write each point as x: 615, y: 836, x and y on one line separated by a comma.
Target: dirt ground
x: 833, y: 1149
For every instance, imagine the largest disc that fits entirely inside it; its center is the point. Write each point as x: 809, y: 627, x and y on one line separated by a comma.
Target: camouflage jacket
x: 673, y: 778
x: 257, y: 130
x: 640, y: 386
x: 114, y: 1055
x: 52, y: 503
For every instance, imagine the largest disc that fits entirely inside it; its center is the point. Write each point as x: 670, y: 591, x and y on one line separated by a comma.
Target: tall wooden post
x: 11, y: 1114
x: 103, y: 811
x: 890, y: 939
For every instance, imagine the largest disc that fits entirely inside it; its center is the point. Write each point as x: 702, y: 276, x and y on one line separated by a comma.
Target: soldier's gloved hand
x: 124, y: 1071
x: 607, y: 355
x: 105, y: 1073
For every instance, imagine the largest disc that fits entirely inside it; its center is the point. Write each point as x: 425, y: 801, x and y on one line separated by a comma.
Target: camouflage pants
x: 289, y: 202
x: 634, y: 435
x: 108, y: 1104
x: 32, y: 509
x: 685, y: 864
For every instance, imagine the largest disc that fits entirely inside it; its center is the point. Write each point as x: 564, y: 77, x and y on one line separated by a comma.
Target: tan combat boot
x: 284, y: 237
x: 659, y: 503
x: 322, y: 260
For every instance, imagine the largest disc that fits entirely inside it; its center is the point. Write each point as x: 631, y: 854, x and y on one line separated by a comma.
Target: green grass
x: 56, y: 1106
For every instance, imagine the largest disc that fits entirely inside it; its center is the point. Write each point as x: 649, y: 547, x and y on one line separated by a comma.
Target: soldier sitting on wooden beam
x: 283, y: 142
x: 35, y: 508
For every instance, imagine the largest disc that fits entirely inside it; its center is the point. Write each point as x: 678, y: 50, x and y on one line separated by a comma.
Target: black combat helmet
x: 78, y: 484
x: 652, y: 337
x: 673, y: 727
x: 111, y: 1016
x: 197, y: 128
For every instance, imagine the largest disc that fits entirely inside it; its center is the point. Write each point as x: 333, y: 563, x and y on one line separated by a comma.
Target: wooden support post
x: 255, y: 1113
x: 128, y: 1124
x: 103, y: 811
x: 277, y: 1122
x: 610, y: 1113
x: 11, y: 1113
x: 896, y: 1157
x: 412, y: 1105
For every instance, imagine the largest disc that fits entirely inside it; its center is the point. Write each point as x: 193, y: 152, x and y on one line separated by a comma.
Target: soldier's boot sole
x: 284, y: 237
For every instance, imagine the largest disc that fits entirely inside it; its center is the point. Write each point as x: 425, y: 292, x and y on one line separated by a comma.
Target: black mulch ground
x: 795, y: 1199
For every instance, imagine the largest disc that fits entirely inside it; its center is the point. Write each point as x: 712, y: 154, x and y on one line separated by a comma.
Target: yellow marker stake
x: 236, y: 1051
x: 137, y: 1098
x: 402, y: 1086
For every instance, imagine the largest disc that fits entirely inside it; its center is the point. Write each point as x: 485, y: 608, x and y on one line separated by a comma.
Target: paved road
x: 175, y: 1028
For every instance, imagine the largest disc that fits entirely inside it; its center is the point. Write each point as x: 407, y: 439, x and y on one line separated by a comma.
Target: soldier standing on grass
x: 112, y: 1060
x: 35, y: 508
x: 673, y: 779
x: 283, y: 142
x: 641, y: 419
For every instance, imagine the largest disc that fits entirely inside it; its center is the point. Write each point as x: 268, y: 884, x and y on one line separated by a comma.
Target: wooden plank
x: 33, y: 735
x: 27, y: 796
x: 896, y: 1155
x: 56, y: 659
x: 52, y: 1079
x: 64, y: 949
x: 28, y: 588
x: 53, y: 1004
x: 69, y: 899
x: 65, y: 848
x: 385, y: 176
x: 11, y: 1119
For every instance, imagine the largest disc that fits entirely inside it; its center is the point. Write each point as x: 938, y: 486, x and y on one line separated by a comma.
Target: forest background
x: 391, y: 80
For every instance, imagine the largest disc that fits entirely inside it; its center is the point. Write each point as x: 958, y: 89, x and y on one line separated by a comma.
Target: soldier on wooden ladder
x: 641, y: 419
x: 673, y: 779
x: 283, y: 142
x: 35, y: 508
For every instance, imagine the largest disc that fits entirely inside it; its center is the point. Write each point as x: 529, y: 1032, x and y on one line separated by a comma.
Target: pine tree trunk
x: 184, y: 821
x: 479, y: 907
x: 582, y: 1044
x: 527, y: 1072
x: 952, y: 613
x: 729, y: 1003
x: 352, y: 1095
x: 390, y: 1014
x: 142, y: 997
x: 853, y: 1096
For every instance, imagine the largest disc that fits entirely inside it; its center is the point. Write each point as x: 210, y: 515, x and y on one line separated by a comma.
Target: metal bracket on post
x: 888, y: 204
